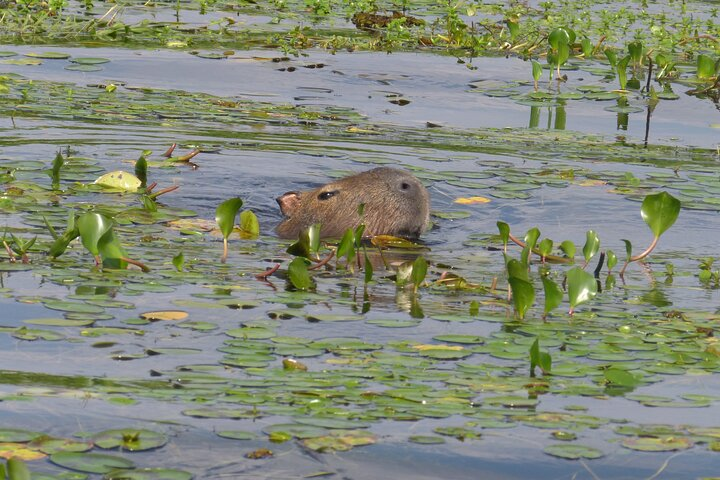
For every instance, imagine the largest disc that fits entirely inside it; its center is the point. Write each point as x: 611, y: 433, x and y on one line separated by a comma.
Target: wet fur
x: 396, y: 203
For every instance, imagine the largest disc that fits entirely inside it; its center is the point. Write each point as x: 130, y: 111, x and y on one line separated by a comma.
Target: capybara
x: 396, y: 203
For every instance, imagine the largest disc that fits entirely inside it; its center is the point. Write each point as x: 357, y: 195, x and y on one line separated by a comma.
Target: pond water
x: 266, y: 127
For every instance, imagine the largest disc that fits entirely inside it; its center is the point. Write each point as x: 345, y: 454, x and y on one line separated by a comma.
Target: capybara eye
x: 327, y: 195
x: 405, y: 186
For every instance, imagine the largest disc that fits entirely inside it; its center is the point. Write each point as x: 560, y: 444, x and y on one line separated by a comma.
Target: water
x: 260, y: 161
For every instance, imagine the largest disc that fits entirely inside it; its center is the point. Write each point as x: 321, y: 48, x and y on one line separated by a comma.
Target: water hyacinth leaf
x: 120, y: 180
x: 581, y: 286
x: 553, y: 295
x: 518, y: 269
x: 558, y: 36
x: 419, y: 270
x: 111, y: 251
x: 531, y: 237
x: 17, y: 470
x: 592, y: 245
x: 539, y: 359
x: 178, y: 261
x: 298, y: 273
x: 346, y: 247
x: 141, y: 169
x: 249, y: 225
x: 91, y: 227
x: 568, y: 248
x: 368, y: 270
x: 308, y: 242
x: 57, y: 164
x: 636, y: 52
x: 611, y: 56
x: 621, y: 69
x: 545, y: 247
x: 225, y: 215
x: 536, y: 71
x: 523, y: 294
x: 706, y: 67
x: 612, y: 259
x: 504, y: 230
x: 628, y: 248
x: 90, y: 462
x: 660, y: 211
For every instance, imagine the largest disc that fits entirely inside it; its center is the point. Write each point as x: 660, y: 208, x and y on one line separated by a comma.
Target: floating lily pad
x: 90, y: 462
x: 657, y: 444
x: 129, y: 439
x: 83, y: 68
x: 426, y: 439
x: 49, y: 55
x: 148, y: 474
x: 573, y: 451
x: 237, y: 434
x: 339, y: 440
x: 89, y: 60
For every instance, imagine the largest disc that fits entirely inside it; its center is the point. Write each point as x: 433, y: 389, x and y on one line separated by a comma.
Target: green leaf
x: 225, y: 215
x: 61, y: 243
x: 55, y: 171
x: 178, y: 261
x: 621, y: 69
x: 553, y: 295
x: 536, y: 70
x: 705, y: 67
x: 346, y: 247
x: 592, y: 245
x: 612, y: 259
x: 586, y: 46
x: 141, y: 169
x: 523, y: 294
x: 581, y: 286
x: 517, y: 269
x: 504, y: 230
x: 545, y: 247
x: 568, y: 248
x: 611, y: 56
x: 628, y: 248
x: 636, y: 50
x: 558, y: 37
x: 92, y: 227
x: 249, y: 224
x: 120, y: 180
x: 368, y: 269
x: 111, y: 251
x: 620, y: 377
x: 17, y: 470
x: 298, y: 273
x: 660, y: 212
x: 539, y: 359
x: 419, y: 270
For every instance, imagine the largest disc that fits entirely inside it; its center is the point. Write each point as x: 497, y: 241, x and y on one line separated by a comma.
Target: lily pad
x: 90, y: 462
x: 573, y: 451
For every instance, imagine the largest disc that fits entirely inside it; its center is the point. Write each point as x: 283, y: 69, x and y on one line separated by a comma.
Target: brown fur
x: 396, y: 203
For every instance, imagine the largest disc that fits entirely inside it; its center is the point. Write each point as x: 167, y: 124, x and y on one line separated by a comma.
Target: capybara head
x: 396, y: 203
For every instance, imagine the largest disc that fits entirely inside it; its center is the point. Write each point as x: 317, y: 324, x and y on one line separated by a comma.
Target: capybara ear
x: 288, y: 202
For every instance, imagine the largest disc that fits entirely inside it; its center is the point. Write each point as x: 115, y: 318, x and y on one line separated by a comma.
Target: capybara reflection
x: 396, y: 203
